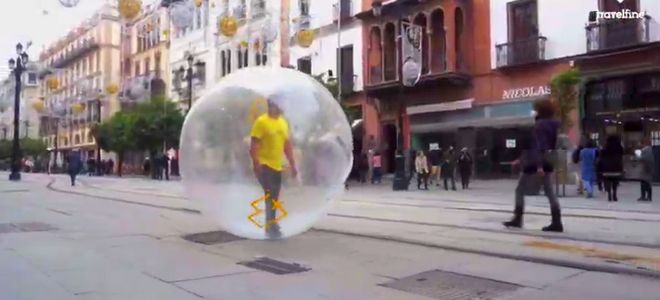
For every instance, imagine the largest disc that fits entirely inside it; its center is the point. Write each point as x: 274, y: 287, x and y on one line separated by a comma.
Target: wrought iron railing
x: 618, y: 33
x: 521, y: 52
x: 78, y: 52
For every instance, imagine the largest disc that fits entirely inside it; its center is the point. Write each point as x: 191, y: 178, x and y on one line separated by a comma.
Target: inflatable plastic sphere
x: 266, y: 201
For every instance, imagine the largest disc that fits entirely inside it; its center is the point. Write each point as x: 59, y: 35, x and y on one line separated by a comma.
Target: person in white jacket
x: 422, y: 169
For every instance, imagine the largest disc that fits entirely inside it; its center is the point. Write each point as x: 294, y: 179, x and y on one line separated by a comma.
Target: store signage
x: 526, y: 92
x: 439, y: 107
x: 434, y: 146
x: 510, y: 144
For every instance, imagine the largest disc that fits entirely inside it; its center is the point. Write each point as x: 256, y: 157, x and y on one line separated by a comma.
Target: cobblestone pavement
x: 111, y: 238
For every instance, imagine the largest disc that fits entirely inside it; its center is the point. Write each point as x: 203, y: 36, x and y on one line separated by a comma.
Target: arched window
x: 77, y: 140
x: 420, y: 20
x: 389, y: 51
x: 459, y: 26
x: 90, y: 138
x: 438, y: 42
x: 375, y: 56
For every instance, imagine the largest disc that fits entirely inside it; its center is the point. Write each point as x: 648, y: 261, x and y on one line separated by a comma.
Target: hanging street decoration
x: 69, y: 3
x: 412, y: 53
x: 52, y: 83
x: 112, y: 89
x: 129, y: 9
x: 228, y: 26
x: 305, y: 37
x: 182, y: 14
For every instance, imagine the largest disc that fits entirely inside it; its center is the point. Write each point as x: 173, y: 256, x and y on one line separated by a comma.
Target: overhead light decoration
x: 112, y: 89
x: 305, y: 37
x: 52, y: 83
x: 39, y: 105
x: 77, y: 108
x: 69, y: 3
x: 182, y: 14
x: 228, y: 26
x: 129, y: 9
x: 199, y: 3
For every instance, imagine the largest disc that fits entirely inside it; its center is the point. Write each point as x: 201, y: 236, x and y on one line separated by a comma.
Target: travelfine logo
x: 623, y: 14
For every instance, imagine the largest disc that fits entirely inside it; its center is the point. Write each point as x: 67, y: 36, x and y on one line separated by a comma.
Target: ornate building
x: 79, y: 68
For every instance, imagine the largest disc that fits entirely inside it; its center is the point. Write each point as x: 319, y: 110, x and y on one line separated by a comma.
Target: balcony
x: 343, y: 12
x: 521, y: 52
x: 621, y: 33
x: 79, y: 51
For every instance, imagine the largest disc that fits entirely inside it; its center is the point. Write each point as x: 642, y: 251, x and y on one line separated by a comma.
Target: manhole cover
x: 212, y: 238
x: 451, y: 286
x: 274, y: 266
x: 25, y: 227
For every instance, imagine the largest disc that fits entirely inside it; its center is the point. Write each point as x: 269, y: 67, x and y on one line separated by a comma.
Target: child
x: 376, y: 178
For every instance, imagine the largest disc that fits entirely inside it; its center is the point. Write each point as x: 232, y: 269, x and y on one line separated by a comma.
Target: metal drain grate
x: 13, y: 191
x: 25, y: 227
x: 451, y: 286
x: 212, y: 238
x: 274, y: 266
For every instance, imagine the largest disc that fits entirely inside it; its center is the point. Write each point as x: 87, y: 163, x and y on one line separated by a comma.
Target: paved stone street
x: 112, y: 238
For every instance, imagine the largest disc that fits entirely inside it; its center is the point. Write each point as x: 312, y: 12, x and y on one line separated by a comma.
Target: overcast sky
x: 41, y: 21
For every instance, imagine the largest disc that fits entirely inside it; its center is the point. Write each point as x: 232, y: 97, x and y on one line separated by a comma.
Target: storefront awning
x: 500, y: 122
x: 445, y: 106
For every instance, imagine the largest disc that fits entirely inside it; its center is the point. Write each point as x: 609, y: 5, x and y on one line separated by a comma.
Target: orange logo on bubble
x: 277, y: 205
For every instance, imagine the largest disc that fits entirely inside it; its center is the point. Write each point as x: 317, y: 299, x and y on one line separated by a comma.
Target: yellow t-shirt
x: 272, y: 134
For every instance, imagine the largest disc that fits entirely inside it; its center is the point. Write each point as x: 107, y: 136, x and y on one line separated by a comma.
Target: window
x: 32, y: 78
x: 305, y: 65
x: 157, y: 64
x: 147, y: 66
x: 223, y: 61
x: 246, y: 57
x: 523, y: 32
x: 240, y: 58
x: 346, y: 76
x: 304, y: 7
x: 137, y: 69
x: 198, y: 17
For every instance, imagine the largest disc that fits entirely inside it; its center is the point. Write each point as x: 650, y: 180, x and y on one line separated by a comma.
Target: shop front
x: 491, y: 132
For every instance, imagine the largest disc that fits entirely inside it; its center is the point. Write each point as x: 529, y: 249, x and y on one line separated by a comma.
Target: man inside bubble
x: 269, y: 144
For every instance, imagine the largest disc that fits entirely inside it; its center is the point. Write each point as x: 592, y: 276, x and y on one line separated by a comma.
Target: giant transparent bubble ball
x: 216, y: 165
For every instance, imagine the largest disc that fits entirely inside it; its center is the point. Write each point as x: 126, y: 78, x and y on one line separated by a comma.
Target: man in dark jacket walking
x: 75, y: 165
x: 447, y: 170
x: 536, y: 159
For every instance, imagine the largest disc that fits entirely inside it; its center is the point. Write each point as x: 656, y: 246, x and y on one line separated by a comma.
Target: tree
x: 352, y: 113
x: 564, y: 92
x: 116, y: 135
x: 157, y: 123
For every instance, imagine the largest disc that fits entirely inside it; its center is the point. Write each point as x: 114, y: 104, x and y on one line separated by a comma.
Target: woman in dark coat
x: 611, y: 166
x: 447, y: 169
x: 75, y: 165
x: 465, y: 167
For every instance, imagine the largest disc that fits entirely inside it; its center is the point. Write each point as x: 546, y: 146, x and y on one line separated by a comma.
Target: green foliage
x: 29, y: 147
x: 565, y: 94
x: 116, y: 134
x: 155, y: 122
x: 352, y: 113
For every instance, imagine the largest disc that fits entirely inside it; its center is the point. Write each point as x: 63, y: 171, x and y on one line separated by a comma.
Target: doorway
x: 389, y: 147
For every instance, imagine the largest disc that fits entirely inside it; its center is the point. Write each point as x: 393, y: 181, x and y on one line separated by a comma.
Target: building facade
x: 29, y: 118
x: 336, y: 53
x: 621, y: 75
x: 84, y: 63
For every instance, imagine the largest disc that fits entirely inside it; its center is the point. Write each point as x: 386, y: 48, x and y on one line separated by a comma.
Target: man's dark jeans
x: 271, y: 182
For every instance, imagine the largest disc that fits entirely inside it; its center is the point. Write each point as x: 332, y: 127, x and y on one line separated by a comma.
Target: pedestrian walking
x: 363, y: 168
x: 465, y: 167
x: 536, y: 160
x: 165, y: 165
x: 377, y: 171
x: 575, y: 158
x: 422, y: 170
x: 75, y: 165
x: 648, y: 163
x: 447, y: 169
x: 91, y: 166
x: 371, y: 150
x: 612, y: 166
x: 434, y: 161
x: 111, y: 166
x: 587, y: 159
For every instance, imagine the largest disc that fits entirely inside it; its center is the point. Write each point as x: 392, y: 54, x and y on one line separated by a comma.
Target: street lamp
x: 17, y: 66
x: 190, y: 75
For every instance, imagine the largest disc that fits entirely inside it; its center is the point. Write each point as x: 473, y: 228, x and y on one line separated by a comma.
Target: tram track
x: 387, y: 220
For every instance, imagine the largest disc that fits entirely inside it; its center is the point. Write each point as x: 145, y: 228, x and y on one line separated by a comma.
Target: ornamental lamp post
x: 17, y: 66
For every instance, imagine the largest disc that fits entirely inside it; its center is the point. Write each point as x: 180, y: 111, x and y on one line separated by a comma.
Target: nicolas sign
x: 525, y: 92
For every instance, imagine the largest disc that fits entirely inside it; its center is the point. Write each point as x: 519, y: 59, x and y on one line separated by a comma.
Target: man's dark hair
x: 590, y: 143
x: 545, y: 109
